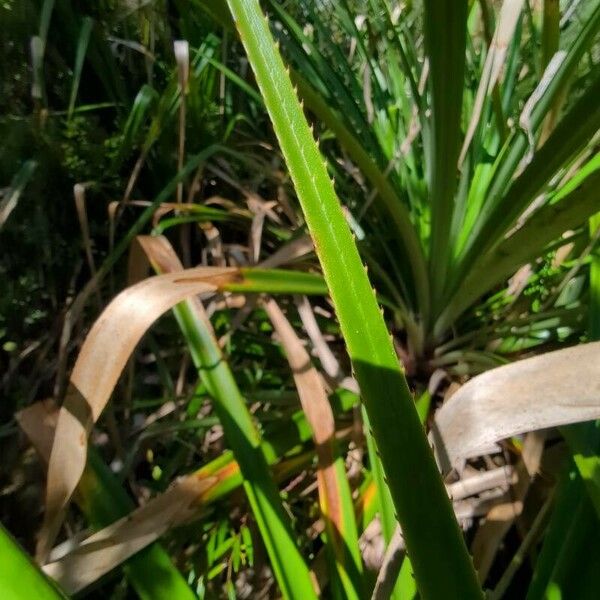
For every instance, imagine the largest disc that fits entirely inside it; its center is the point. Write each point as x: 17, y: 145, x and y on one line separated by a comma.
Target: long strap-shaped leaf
x: 442, y: 565
x: 19, y: 576
x: 445, y: 37
x: 543, y: 391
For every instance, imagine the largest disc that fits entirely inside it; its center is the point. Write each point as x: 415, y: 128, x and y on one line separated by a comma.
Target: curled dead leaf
x: 111, y: 546
x: 544, y: 391
x: 103, y: 356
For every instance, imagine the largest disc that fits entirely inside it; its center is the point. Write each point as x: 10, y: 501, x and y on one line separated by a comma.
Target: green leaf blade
x: 441, y: 562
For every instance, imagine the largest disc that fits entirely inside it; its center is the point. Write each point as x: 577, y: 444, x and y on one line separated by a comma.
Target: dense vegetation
x: 263, y: 279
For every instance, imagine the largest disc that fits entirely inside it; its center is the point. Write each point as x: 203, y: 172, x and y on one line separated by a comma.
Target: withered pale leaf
x: 492, y: 69
x: 552, y: 389
x: 103, y: 356
x: 38, y: 423
x: 111, y: 546
x: 317, y: 409
x: 289, y: 252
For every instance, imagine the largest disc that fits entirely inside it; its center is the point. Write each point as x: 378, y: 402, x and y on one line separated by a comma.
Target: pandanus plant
x: 471, y: 152
x: 461, y: 185
x: 453, y: 210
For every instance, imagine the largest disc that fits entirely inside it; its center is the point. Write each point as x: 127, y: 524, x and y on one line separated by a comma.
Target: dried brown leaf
x: 500, y: 518
x: 38, y: 423
x: 507, y: 22
x: 111, y: 546
x: 103, y: 356
x: 317, y: 409
x: 552, y: 389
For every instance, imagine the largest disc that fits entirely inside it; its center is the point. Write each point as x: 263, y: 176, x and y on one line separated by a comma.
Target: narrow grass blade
x: 550, y: 45
x: 79, y: 196
x: 19, y: 575
x: 38, y: 88
x: 440, y: 559
x: 236, y: 79
x: 181, y: 49
x: 45, y: 18
x: 82, y: 45
x: 550, y: 30
x: 133, y: 127
x: 495, y: 60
